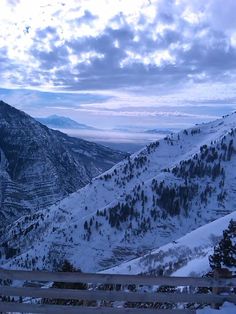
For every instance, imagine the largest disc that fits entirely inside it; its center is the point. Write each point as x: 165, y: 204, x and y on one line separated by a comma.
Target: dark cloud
x: 212, y: 55
x: 43, y: 33
x: 86, y: 18
x: 50, y: 59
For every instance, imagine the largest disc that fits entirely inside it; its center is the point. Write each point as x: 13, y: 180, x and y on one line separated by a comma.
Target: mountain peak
x: 9, y: 113
x: 61, y: 122
x: 5, y: 108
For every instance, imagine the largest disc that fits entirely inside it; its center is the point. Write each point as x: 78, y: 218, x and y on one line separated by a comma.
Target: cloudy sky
x: 120, y: 63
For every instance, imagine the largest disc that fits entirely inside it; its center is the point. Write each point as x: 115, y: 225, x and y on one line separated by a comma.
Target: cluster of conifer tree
x: 225, y: 251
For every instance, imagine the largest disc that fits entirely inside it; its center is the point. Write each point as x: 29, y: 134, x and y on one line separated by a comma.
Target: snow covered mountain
x: 186, y: 256
x: 39, y: 166
x: 60, y: 122
x: 159, y: 194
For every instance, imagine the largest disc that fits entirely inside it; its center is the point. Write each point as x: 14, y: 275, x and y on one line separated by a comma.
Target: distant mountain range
x: 140, y: 130
x: 39, y: 166
x: 157, y: 131
x: 60, y: 122
x: 154, y: 197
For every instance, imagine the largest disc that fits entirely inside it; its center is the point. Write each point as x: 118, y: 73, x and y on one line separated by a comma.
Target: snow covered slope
x: 159, y: 194
x: 39, y: 166
x: 186, y: 256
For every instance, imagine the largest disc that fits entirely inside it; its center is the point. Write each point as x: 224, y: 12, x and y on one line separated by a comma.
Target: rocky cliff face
x: 39, y: 166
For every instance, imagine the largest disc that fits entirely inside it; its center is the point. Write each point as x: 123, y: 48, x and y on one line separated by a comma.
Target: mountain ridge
x: 61, y: 122
x: 39, y: 166
x: 157, y: 195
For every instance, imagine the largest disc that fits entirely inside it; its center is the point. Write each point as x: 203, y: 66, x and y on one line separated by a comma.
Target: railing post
x: 217, y: 274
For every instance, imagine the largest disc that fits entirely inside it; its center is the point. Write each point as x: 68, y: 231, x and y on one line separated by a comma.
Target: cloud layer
x: 86, y: 46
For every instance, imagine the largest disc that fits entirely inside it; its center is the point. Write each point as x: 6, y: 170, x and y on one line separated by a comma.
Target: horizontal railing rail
x: 91, y: 295
x: 115, y: 279
x: 66, y: 309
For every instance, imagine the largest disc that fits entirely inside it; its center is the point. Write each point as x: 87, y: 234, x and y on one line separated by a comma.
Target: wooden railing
x: 93, y: 294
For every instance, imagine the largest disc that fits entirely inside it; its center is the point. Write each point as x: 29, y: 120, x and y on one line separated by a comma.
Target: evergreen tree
x: 225, y: 252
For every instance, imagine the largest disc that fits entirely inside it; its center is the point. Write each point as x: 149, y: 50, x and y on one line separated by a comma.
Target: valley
x: 150, y: 199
